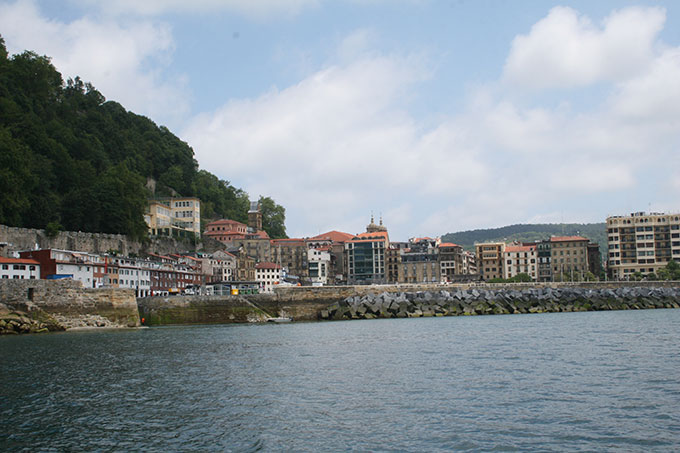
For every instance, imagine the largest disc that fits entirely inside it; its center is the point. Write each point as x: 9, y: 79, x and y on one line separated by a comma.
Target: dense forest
x: 69, y: 157
x: 596, y: 232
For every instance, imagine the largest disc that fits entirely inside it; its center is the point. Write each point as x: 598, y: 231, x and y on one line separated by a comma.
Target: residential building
x: 319, y: 262
x: 223, y: 266
x: 490, y: 259
x: 335, y: 241
x: 226, y: 230
x: 393, y: 259
x: 642, y: 243
x: 177, y: 217
x: 268, y: 275
x: 520, y: 259
x: 569, y: 257
x: 420, y: 262
x: 291, y: 255
x: 543, y: 256
x: 450, y: 262
x: 245, y: 267
x: 67, y: 264
x: 19, y: 268
x: 469, y: 263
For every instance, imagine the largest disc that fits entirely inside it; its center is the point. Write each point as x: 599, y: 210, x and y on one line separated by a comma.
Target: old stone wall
x: 67, y: 304
x: 20, y: 239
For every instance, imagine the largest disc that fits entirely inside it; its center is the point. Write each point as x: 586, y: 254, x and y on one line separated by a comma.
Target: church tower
x: 255, y: 216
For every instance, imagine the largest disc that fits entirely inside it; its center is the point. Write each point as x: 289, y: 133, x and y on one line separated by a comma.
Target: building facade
x: 641, y: 243
x: 174, y: 217
x: 490, y: 259
x: 569, y: 257
x: 520, y: 259
x: 19, y: 268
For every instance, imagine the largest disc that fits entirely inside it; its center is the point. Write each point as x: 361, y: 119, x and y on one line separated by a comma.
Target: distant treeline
x: 70, y: 158
x: 596, y: 232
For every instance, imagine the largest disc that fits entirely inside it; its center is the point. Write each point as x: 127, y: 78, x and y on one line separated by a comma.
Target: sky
x: 438, y: 116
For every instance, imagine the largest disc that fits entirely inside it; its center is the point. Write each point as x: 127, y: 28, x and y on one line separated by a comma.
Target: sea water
x: 596, y: 381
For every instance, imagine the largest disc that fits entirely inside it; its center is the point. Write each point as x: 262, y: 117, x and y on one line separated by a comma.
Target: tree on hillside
x: 273, y: 218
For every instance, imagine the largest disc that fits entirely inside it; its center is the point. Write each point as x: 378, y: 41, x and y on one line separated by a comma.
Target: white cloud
x: 258, y: 9
x: 125, y: 63
x: 566, y: 49
x: 336, y: 143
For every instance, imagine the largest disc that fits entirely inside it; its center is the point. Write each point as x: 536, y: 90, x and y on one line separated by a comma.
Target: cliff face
x: 63, y: 304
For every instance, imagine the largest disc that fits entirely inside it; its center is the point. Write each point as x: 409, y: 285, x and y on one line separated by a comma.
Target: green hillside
x: 596, y: 232
x: 70, y: 157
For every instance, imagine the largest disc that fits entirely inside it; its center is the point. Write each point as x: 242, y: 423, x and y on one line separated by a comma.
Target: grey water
x: 596, y: 381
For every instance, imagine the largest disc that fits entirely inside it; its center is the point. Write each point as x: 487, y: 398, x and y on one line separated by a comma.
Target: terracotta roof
x: 366, y: 237
x: 267, y: 265
x: 325, y: 248
x: 567, y: 238
x: 448, y: 244
x: 225, y: 222
x: 520, y: 248
x: 18, y: 261
x: 334, y: 236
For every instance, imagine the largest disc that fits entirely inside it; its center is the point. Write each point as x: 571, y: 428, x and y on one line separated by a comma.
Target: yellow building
x: 174, y: 217
x: 490, y: 259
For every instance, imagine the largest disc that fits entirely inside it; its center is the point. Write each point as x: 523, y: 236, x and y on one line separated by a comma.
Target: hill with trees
x: 69, y: 157
x: 596, y: 232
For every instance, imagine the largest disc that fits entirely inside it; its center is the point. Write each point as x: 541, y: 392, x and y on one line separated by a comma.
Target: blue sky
x: 440, y: 115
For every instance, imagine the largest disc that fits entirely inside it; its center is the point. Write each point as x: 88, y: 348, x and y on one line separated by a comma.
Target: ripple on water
x: 573, y: 381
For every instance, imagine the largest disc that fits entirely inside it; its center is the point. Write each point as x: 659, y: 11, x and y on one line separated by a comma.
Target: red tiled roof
x: 366, y: 237
x: 567, y: 238
x: 334, y: 236
x: 448, y: 244
x: 18, y: 261
x: 267, y: 265
x: 225, y: 222
x: 520, y: 248
x: 325, y: 248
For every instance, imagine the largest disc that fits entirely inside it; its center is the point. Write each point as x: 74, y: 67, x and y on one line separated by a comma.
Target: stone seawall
x: 20, y: 239
x: 64, y: 304
x: 354, y: 302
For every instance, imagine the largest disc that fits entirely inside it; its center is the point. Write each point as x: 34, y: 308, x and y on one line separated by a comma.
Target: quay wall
x: 353, y: 302
x: 65, y: 304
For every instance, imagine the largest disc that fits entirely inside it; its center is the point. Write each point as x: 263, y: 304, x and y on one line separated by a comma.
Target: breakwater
x: 28, y: 306
x: 486, y: 302
x: 394, y: 301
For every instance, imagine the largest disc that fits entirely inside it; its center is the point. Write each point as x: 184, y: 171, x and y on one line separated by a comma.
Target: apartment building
x: 641, y: 243
x: 569, y: 257
x: 366, y: 255
x: 520, y: 259
x: 268, y: 275
x: 177, y: 217
x: 490, y: 259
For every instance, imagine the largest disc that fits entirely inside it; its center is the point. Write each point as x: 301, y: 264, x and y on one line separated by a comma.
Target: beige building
x: 174, y: 217
x: 569, y: 257
x: 520, y: 259
x: 642, y: 243
x: 490, y: 259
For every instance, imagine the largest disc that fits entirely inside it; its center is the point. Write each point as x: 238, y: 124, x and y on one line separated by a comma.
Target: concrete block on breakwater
x: 474, y: 301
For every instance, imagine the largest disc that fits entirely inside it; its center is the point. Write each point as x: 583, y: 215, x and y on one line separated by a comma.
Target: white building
x: 319, y: 263
x: 267, y: 275
x: 19, y: 268
x: 134, y: 274
x: 520, y: 259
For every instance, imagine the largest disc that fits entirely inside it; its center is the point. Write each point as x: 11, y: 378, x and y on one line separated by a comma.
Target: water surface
x: 547, y: 382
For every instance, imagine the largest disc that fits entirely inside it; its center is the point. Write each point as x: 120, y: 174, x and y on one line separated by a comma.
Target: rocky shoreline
x: 14, y: 322
x: 462, y: 302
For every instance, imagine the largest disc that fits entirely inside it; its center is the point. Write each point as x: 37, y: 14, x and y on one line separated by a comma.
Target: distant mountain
x: 596, y: 232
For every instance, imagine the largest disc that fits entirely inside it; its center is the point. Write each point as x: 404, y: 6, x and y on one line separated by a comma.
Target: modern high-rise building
x: 641, y: 243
